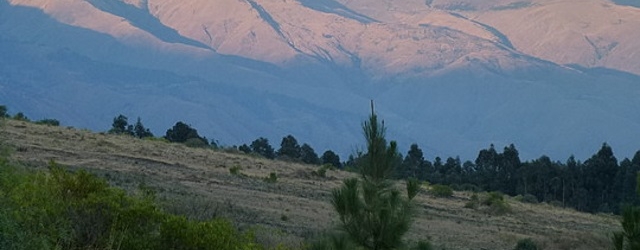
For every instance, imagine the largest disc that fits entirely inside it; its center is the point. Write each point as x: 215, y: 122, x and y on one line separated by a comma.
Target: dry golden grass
x: 198, y: 182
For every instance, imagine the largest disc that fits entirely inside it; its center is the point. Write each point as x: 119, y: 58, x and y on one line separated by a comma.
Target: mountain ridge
x: 441, y: 74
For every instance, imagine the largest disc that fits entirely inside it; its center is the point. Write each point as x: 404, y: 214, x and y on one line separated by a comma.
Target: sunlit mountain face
x: 555, y: 78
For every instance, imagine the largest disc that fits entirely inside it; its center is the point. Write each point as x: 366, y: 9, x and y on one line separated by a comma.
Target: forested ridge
x: 600, y: 183
x: 482, y: 181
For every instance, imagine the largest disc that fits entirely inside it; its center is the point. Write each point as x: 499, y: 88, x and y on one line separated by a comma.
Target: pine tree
x: 140, y: 131
x: 308, y: 155
x: 373, y: 214
x: 289, y: 148
x: 412, y: 163
x: 329, y: 157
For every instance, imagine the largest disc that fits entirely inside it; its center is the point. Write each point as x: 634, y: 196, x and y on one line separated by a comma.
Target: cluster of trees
x: 291, y: 150
x: 21, y: 117
x: 599, y: 184
x: 180, y: 132
x: 121, y: 125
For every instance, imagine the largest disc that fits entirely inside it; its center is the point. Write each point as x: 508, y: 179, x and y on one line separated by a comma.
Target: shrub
x: 177, y: 232
x: 470, y: 187
x: 49, y: 122
x: 556, y: 203
x: 160, y: 139
x: 272, y: 178
x: 235, y: 170
x: 526, y: 244
x: 196, y: 143
x: 423, y: 245
x: 322, y: 171
x: 64, y: 210
x: 527, y: 198
x: 3, y: 112
x: 496, y: 203
x: 441, y: 190
x: 492, y: 198
x: 473, y: 203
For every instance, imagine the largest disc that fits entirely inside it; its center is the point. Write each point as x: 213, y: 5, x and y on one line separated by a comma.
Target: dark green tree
x: 487, y: 169
x: 262, y: 147
x: 3, y: 112
x: 140, y: 131
x: 21, y: 117
x: 245, y: 148
x: 308, y: 155
x: 121, y: 125
x: 182, y: 132
x: 599, y: 173
x: 452, y: 171
x: 329, y: 157
x: 508, y: 166
x: 289, y: 148
x: 372, y: 213
x: 49, y: 122
x: 413, y: 163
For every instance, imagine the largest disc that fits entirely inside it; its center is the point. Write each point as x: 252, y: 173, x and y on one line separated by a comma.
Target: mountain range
x: 555, y: 78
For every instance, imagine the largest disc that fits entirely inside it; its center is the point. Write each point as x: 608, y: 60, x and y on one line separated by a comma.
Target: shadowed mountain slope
x: 453, y: 76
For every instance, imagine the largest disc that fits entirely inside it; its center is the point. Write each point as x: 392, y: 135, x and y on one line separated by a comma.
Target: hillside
x: 198, y: 182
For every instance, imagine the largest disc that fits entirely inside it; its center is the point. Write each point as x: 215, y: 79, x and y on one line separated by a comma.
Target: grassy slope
x: 198, y: 182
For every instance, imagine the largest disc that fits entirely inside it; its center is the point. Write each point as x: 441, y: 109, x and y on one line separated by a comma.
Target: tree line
x: 599, y: 184
x: 290, y: 149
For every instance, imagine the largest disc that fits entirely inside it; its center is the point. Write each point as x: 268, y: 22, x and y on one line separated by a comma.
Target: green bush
x: 196, y: 143
x: 160, y: 139
x: 272, y: 178
x: 473, y: 203
x: 441, y: 190
x: 63, y: 210
x: 496, y: 203
x: 529, y: 198
x: 470, y: 187
x: 21, y: 117
x: 49, y: 122
x: 556, y: 203
x: 493, y: 198
x: 322, y: 171
x: 526, y: 244
x: 3, y: 112
x: 423, y: 245
x: 235, y: 170
x: 179, y: 233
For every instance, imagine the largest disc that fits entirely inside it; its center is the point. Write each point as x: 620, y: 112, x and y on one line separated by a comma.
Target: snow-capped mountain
x: 552, y: 77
